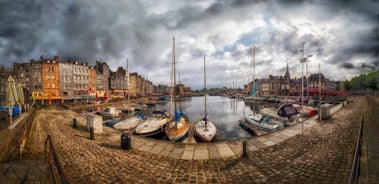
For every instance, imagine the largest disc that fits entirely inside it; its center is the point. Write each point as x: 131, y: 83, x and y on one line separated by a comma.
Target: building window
x: 53, y: 86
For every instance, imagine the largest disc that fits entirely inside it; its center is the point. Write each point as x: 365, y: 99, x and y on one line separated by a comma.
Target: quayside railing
x: 354, y: 173
x: 53, y: 160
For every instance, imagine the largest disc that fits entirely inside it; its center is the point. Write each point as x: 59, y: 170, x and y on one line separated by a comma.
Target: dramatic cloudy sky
x: 341, y: 35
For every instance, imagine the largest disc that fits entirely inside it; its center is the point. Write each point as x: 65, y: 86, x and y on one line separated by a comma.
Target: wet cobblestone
x: 322, y: 155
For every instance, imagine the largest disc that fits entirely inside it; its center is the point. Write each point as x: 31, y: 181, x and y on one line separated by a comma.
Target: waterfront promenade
x: 322, y: 154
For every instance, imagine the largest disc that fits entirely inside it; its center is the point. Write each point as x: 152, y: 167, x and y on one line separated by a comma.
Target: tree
x: 347, y: 85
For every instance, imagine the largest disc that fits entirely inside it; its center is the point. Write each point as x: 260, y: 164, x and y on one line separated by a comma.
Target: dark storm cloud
x: 347, y: 65
x: 79, y: 30
x: 113, y: 30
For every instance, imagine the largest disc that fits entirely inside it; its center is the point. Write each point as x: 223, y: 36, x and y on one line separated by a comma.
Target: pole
x: 127, y: 68
x: 10, y: 113
x: 173, y: 49
x: 205, y: 90
x: 254, y: 69
x: 319, y: 88
x: 306, y: 75
x: 205, y: 98
x: 302, y: 87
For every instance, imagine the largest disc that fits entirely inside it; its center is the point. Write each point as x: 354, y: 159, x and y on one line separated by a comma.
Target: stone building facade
x: 50, y: 78
x: 69, y: 80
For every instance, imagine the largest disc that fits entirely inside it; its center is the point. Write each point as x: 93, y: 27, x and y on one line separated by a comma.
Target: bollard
x: 92, y: 133
x: 125, y: 141
x: 244, y: 149
x: 74, y: 123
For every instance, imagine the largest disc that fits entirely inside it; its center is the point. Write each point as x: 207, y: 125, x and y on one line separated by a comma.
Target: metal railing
x: 53, y: 160
x: 354, y: 173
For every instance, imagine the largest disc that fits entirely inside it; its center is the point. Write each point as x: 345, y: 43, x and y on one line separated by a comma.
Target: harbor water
x: 223, y: 112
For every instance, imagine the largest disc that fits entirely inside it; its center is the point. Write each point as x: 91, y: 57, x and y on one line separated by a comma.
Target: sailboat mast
x: 254, y: 68
x: 253, y: 93
x: 128, y: 81
x: 174, y: 62
x: 205, y: 91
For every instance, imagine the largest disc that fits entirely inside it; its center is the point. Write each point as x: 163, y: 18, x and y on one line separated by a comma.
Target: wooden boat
x: 162, y: 100
x: 110, y: 112
x: 179, y: 127
x: 149, y: 102
x: 205, y: 130
x: 138, y: 106
x: 152, y: 125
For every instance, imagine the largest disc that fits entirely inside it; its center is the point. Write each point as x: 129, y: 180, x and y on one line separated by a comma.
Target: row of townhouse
x: 285, y: 86
x: 65, y: 80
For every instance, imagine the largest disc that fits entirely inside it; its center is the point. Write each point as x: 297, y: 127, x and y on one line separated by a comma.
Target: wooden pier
x: 251, y: 128
x: 190, y: 138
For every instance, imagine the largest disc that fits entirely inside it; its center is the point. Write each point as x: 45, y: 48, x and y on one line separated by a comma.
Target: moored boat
x: 179, y: 127
x: 130, y: 122
x: 152, y: 125
x: 265, y: 123
x: 162, y: 100
x: 110, y: 112
x: 205, y: 130
x: 138, y: 106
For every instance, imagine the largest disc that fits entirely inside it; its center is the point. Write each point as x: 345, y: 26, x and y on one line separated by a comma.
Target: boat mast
x: 180, y: 101
x: 205, y: 96
x: 319, y: 89
x: 253, y: 79
x: 254, y: 69
x: 174, y: 62
x: 127, y: 70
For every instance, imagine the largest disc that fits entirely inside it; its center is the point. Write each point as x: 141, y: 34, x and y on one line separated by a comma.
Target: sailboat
x: 204, y: 129
x: 259, y: 120
x: 253, y: 97
x: 131, y: 120
x: 179, y: 127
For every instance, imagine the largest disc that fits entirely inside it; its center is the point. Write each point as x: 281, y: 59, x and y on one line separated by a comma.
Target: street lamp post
x: 302, y: 61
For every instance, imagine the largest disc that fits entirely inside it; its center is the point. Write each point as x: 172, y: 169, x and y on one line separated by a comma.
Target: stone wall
x: 11, y: 138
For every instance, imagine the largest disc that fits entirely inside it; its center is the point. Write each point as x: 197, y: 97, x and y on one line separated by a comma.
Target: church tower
x: 287, y: 74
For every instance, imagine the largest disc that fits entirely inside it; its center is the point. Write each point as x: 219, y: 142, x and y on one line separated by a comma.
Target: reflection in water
x: 223, y: 112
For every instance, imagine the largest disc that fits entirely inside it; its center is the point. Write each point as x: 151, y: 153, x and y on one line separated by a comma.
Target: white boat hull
x: 150, y: 126
x: 128, y: 124
x: 206, y: 132
x: 269, y: 125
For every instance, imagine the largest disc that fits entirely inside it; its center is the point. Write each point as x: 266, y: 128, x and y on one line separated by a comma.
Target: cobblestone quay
x: 371, y: 139
x: 323, y: 154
